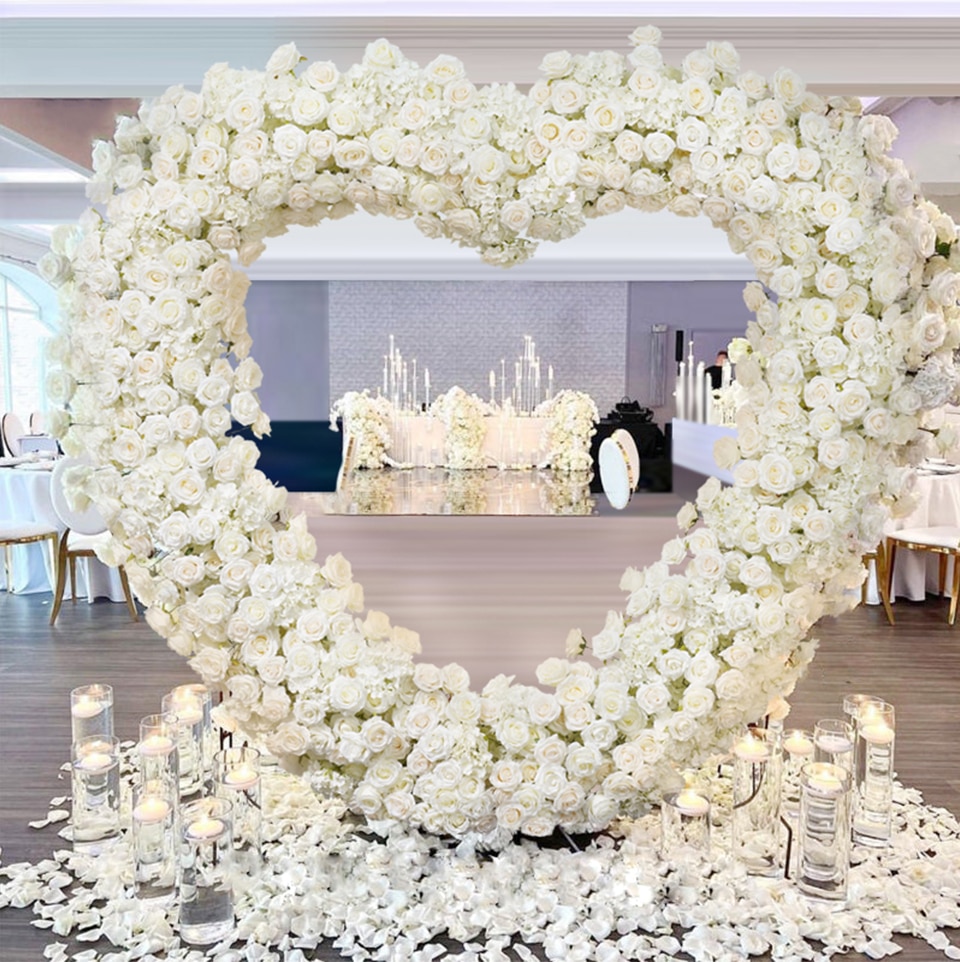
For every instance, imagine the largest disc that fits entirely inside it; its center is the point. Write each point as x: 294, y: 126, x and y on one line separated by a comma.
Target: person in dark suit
x: 716, y: 370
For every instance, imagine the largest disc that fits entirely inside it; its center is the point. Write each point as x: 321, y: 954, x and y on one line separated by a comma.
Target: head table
x: 509, y: 440
x: 25, y: 496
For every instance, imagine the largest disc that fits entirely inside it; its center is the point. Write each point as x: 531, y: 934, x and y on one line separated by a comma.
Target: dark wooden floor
x: 915, y: 665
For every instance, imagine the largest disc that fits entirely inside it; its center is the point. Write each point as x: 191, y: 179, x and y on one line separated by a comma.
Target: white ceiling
x: 74, y: 50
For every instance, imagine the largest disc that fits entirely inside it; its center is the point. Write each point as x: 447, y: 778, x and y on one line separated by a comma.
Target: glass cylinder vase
x: 823, y: 842
x: 873, y: 800
x: 757, y: 771
x: 685, y: 824
x: 797, y: 752
x: 153, y: 836
x: 236, y: 773
x: 851, y: 711
x: 206, y: 871
x: 187, y: 708
x: 95, y: 772
x: 833, y: 742
x: 157, y: 749
x: 91, y: 712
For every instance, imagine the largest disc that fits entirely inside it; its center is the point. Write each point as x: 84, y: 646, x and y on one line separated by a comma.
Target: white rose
x: 289, y: 739
x: 653, y: 698
x: 211, y: 663
x: 346, y: 694
x: 186, y: 487
x: 852, y: 401
x: 697, y: 701
x: 770, y: 620
x: 772, y: 524
x: 556, y: 64
x: 832, y: 280
x: 776, y: 474
x: 731, y: 685
x: 562, y: 165
x: 833, y: 452
x: 552, y: 671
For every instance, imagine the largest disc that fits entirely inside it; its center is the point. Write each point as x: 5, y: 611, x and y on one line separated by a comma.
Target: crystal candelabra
x: 400, y: 380
x: 402, y: 386
x: 694, y: 389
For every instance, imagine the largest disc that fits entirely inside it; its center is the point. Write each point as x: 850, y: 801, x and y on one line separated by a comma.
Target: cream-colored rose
x: 211, y: 663
x: 852, y: 401
x: 687, y: 516
x: 556, y: 64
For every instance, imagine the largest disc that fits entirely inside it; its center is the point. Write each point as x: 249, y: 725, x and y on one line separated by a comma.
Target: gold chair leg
x: 126, y: 594
x: 891, y: 562
x: 73, y: 578
x: 942, y: 582
x: 955, y: 593
x: 61, y: 578
x: 863, y: 587
x: 883, y: 587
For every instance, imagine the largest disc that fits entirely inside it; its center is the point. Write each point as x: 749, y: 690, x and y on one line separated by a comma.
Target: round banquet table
x: 938, y: 502
x: 25, y: 496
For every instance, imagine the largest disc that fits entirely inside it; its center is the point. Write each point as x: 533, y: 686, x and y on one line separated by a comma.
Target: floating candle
x: 821, y: 780
x: 188, y: 714
x: 691, y: 803
x: 151, y: 810
x: 834, y: 744
x: 797, y: 743
x: 156, y: 745
x: 752, y: 750
x: 205, y: 829
x: 86, y: 708
x: 94, y: 762
x: 240, y: 779
x: 877, y: 733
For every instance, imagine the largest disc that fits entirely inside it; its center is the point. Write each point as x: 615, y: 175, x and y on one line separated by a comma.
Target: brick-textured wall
x: 461, y: 330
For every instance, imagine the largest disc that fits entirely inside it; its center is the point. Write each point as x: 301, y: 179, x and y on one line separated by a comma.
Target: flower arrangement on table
x: 462, y: 415
x: 573, y: 418
x: 836, y: 371
x: 367, y: 420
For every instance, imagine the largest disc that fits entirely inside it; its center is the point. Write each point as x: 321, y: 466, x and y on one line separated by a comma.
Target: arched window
x: 23, y: 329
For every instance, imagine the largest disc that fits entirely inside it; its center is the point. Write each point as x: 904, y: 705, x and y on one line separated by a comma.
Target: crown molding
x: 400, y: 269
x: 78, y: 57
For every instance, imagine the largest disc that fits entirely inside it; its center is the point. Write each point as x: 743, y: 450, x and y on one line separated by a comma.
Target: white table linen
x: 692, y: 447
x: 513, y: 441
x: 25, y: 496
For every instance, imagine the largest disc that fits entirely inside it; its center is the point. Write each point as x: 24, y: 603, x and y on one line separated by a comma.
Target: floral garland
x: 573, y: 418
x: 462, y: 416
x: 860, y: 339
x: 367, y: 421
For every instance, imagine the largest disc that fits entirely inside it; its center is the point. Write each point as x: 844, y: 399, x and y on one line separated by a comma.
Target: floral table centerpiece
x: 573, y: 417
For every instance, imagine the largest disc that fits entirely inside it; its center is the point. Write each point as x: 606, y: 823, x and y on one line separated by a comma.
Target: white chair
x: 36, y: 422
x: 11, y: 430
x: 13, y: 533
x: 84, y: 530
x: 943, y: 540
x: 617, y: 470
x: 624, y: 440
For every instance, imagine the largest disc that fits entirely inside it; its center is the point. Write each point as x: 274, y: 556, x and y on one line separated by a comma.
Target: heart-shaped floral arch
x: 836, y: 369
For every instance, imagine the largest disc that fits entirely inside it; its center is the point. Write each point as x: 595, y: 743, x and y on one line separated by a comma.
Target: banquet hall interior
x: 492, y: 567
